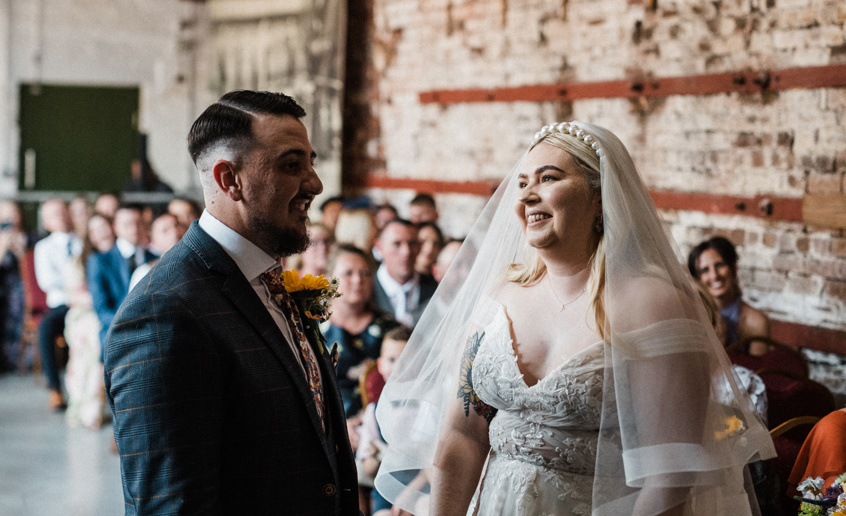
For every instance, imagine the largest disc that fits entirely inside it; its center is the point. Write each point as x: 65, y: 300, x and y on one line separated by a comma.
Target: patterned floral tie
x: 292, y: 314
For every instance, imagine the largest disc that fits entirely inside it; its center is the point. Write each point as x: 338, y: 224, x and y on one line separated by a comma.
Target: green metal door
x: 77, y: 138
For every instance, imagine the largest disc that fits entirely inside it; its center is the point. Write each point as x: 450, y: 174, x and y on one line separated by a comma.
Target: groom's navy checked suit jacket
x: 213, y: 414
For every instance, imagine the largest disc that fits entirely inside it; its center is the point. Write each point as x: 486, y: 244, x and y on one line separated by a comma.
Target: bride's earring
x: 597, y: 225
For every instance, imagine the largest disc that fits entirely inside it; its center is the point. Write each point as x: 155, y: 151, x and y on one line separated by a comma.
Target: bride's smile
x: 555, y: 205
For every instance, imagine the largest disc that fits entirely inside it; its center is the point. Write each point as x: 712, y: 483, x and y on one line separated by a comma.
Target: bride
x: 566, y: 364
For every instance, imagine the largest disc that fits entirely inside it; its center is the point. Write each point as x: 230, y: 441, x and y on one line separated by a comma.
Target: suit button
x: 329, y: 490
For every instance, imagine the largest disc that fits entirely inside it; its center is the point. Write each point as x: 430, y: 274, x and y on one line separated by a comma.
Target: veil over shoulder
x: 675, y: 427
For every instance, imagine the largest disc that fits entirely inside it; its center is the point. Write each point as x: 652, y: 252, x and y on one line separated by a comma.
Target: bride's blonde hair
x: 533, y: 268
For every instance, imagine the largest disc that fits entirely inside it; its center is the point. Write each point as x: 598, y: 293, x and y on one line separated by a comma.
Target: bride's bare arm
x: 464, y: 443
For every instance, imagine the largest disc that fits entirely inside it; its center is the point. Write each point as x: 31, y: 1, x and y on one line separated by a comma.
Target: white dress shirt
x: 405, y: 298
x: 52, y: 257
x: 252, y: 262
x: 128, y: 250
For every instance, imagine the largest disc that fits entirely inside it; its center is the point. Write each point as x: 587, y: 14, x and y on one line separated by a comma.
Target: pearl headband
x: 568, y: 128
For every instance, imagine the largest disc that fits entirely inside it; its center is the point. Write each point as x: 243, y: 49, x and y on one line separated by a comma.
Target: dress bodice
x: 553, y: 423
x: 544, y: 437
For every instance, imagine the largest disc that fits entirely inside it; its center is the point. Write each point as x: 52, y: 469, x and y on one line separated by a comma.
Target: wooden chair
x: 788, y: 438
x: 35, y: 306
x: 370, y: 384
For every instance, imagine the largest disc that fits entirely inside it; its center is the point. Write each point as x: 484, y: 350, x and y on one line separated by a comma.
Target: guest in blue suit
x: 107, y: 274
x: 221, y: 403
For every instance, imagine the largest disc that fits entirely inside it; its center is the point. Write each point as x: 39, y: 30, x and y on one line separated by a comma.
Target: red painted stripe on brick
x: 809, y: 337
x: 782, y: 208
x: 481, y: 188
x: 830, y: 76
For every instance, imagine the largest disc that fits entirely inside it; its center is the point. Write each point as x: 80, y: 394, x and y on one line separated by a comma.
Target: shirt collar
x: 392, y: 286
x: 126, y: 249
x: 249, y: 257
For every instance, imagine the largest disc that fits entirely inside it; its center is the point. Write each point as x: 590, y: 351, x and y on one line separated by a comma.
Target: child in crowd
x: 371, y: 446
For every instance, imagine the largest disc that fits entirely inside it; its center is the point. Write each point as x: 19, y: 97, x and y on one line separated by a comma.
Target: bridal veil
x: 675, y: 426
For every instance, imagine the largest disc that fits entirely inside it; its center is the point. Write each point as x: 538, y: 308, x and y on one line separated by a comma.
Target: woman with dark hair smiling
x: 714, y: 264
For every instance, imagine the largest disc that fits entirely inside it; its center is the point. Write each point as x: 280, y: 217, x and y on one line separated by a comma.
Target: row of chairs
x: 795, y: 403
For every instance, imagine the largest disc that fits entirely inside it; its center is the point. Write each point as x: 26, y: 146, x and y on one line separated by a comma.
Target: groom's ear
x: 227, y: 179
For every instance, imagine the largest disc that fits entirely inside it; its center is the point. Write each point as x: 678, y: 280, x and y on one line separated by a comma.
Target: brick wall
x: 779, y: 143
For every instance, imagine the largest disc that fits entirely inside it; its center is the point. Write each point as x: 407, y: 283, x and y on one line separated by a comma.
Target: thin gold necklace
x: 570, y: 302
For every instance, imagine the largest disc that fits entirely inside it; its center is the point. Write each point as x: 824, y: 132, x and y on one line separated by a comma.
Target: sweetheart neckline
x: 564, y: 358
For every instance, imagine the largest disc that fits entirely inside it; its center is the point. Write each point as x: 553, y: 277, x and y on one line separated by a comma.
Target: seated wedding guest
x: 399, y: 289
x: 431, y: 242
x: 329, y: 210
x: 356, y: 227
x: 84, y: 377
x: 107, y: 204
x: 356, y: 324
x: 445, y: 258
x: 165, y: 232
x: 185, y: 210
x: 145, y: 179
x: 384, y: 214
x: 13, y: 247
x: 100, y: 233
x: 53, y: 255
x: 570, y: 368
x: 80, y: 212
x: 314, y: 259
x: 823, y: 453
x: 714, y: 264
x: 108, y: 273
x: 422, y: 208
x: 371, y: 445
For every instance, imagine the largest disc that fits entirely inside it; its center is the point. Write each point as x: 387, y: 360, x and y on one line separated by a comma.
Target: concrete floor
x: 48, y: 468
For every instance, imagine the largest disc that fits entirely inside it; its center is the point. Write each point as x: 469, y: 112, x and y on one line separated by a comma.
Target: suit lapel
x: 120, y: 267
x: 244, y: 298
x: 381, y: 298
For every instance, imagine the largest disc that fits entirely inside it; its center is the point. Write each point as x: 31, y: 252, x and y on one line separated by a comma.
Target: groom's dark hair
x: 230, y: 119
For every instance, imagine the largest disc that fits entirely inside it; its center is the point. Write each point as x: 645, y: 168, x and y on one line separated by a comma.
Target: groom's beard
x: 281, y: 241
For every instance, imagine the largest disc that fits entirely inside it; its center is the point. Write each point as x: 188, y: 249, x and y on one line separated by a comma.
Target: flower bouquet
x: 819, y: 502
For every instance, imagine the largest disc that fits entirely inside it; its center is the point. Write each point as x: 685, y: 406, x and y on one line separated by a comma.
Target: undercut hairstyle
x: 721, y: 245
x: 230, y: 119
x: 423, y: 199
x: 400, y: 334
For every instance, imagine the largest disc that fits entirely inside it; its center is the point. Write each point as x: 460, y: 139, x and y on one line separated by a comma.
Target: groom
x: 221, y: 405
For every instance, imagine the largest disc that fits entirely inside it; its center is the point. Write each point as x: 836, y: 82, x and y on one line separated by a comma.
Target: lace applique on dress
x: 544, y: 437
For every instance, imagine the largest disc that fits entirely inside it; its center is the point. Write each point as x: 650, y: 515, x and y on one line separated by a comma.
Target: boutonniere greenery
x: 313, y: 296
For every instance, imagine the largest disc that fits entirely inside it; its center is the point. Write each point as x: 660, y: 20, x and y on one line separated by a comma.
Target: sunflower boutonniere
x: 312, y: 294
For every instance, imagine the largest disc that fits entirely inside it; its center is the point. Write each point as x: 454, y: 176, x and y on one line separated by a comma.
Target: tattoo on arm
x: 465, y: 381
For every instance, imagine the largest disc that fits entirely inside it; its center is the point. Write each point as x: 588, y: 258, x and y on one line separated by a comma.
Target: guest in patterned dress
x: 356, y: 325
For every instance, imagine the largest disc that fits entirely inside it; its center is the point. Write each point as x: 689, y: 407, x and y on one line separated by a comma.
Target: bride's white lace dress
x: 543, y: 437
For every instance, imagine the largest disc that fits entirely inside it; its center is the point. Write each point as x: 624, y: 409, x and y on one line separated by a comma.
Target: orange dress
x: 824, y: 452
